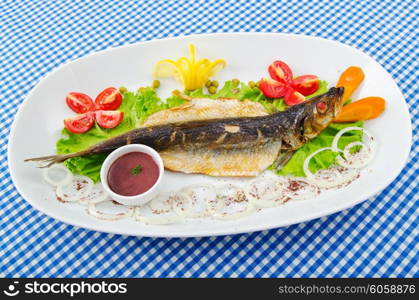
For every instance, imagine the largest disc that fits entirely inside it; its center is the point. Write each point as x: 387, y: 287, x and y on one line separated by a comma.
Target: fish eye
x: 321, y: 106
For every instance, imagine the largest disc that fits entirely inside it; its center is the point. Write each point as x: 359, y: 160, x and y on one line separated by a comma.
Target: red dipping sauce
x: 133, y: 174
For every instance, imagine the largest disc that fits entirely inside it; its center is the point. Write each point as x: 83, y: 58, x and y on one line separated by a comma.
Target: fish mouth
x: 338, y: 100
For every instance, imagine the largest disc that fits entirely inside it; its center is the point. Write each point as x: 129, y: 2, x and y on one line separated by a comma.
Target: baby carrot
x: 350, y: 79
x: 363, y: 109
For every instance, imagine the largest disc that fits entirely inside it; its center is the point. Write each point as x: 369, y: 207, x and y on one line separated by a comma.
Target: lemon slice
x: 216, y: 67
x: 191, y: 73
x: 168, y: 68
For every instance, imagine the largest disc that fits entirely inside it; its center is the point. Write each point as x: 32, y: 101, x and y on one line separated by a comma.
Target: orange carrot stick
x: 364, y: 109
x: 350, y: 79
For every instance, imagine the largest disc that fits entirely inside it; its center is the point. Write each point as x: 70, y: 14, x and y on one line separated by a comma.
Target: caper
x: 251, y: 84
x: 156, y: 84
x: 208, y: 83
x: 214, y: 83
x: 212, y: 89
x: 123, y: 89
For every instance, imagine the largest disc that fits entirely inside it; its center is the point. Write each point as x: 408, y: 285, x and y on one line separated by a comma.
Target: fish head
x: 320, y: 111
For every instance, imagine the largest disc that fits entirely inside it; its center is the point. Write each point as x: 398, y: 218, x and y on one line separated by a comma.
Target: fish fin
x: 246, y: 162
x: 282, y: 159
x: 54, y: 159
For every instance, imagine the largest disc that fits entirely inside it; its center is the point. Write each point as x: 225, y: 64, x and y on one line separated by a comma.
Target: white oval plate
x: 39, y: 120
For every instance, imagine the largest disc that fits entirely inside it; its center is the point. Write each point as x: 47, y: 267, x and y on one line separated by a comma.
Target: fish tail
x: 54, y: 159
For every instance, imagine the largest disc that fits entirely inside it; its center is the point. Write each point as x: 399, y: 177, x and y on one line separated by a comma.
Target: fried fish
x: 224, y: 137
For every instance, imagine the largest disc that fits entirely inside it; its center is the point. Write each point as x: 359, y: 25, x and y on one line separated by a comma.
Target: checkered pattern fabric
x: 377, y: 238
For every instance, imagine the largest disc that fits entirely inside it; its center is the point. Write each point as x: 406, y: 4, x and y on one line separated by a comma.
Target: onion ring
x: 46, y: 174
x: 177, y: 202
x: 357, y: 160
x: 363, y: 158
x: 93, y: 211
x: 96, y: 195
x: 170, y: 202
x: 298, y: 193
x: 221, y: 194
x: 80, y: 184
x: 195, y: 195
x: 265, y: 193
x: 334, y: 179
x: 161, y: 206
x: 155, y: 220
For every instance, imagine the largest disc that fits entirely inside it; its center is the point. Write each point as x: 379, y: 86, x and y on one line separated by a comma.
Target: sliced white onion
x: 300, y: 189
x: 165, y: 208
x: 357, y: 160
x: 335, y: 176
x: 93, y: 210
x: 310, y: 176
x: 96, y: 195
x: 182, y: 204
x: 56, y: 174
x: 75, y: 189
x: 227, y: 196
x: 177, y: 202
x: 266, y: 192
x: 199, y: 195
x: 145, y: 215
x: 162, y: 203
x: 328, y: 178
x: 341, y: 132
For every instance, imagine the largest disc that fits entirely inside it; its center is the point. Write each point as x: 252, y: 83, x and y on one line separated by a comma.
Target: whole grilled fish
x: 232, y: 146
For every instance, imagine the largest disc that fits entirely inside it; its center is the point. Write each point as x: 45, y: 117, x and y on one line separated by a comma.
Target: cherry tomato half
x: 109, y: 118
x: 80, y: 123
x: 292, y: 97
x: 272, y: 89
x: 306, y: 84
x: 79, y: 103
x: 108, y: 99
x: 280, y: 71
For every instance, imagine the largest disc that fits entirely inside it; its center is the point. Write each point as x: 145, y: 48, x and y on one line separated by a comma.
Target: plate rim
x: 223, y: 231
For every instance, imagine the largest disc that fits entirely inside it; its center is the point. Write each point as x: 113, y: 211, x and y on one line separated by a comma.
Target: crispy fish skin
x: 288, y: 130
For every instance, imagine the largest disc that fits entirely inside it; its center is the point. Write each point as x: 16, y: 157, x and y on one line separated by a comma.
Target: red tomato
x: 306, y: 84
x: 108, y: 99
x: 109, y: 118
x: 79, y: 103
x: 280, y: 71
x: 80, y: 123
x: 293, y: 97
x: 272, y: 89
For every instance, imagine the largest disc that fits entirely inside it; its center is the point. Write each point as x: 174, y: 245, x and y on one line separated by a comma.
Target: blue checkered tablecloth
x: 378, y: 238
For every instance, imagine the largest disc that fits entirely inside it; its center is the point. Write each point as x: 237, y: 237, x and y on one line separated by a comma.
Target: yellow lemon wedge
x: 190, y: 72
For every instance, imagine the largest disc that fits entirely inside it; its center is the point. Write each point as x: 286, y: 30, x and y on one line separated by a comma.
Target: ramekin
x: 135, y: 200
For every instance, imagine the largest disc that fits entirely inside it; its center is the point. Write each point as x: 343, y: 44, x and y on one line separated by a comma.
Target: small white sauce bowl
x: 136, y: 199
